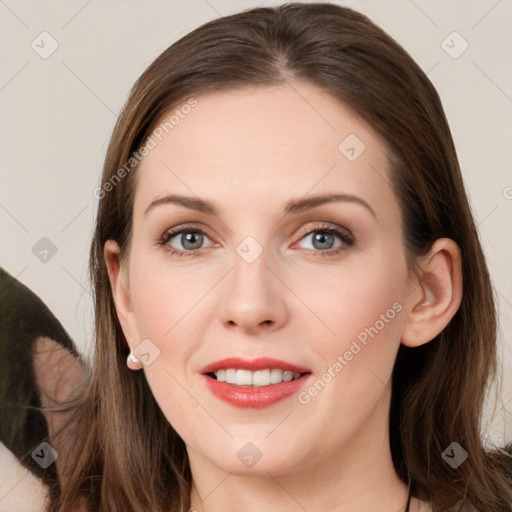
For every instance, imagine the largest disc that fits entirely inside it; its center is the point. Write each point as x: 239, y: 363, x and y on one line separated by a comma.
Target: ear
x: 436, y: 293
x: 119, y: 283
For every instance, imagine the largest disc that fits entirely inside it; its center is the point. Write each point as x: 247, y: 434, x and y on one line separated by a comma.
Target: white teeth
x: 243, y: 378
x: 287, y: 376
x: 276, y: 376
x: 231, y: 376
x: 261, y: 378
x: 257, y: 378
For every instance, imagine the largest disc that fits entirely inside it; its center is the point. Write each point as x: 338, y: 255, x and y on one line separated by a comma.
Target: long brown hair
x: 129, y: 457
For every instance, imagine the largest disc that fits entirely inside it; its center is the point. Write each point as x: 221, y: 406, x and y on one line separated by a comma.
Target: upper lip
x: 261, y: 363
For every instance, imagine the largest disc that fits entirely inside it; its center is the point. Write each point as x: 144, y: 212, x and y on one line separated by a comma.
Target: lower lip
x: 254, y: 397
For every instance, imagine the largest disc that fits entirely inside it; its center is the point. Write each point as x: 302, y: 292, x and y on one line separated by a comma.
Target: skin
x: 250, y: 151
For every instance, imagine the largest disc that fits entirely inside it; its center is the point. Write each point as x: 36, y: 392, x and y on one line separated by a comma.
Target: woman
x: 259, y: 368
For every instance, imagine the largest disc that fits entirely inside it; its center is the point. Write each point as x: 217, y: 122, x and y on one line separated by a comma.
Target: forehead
x: 263, y: 143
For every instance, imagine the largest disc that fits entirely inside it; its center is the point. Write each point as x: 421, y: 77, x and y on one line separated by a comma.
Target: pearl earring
x: 132, y: 362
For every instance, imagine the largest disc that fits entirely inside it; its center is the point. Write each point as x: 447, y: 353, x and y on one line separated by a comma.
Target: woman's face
x: 265, y: 284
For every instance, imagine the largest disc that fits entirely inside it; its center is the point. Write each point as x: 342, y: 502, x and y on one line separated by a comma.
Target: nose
x: 254, y: 298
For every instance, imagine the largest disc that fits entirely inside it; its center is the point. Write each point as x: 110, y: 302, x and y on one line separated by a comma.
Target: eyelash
x: 344, y: 236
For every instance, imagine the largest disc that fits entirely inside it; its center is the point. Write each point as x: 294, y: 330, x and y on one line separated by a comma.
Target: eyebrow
x: 292, y: 206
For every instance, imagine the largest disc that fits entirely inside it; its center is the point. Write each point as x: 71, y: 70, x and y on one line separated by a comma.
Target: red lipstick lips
x: 254, y: 396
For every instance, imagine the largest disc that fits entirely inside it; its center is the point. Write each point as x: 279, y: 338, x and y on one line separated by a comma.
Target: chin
x: 254, y: 458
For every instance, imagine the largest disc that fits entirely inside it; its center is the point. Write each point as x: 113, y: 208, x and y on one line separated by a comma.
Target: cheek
x: 356, y: 297
x: 163, y: 302
x: 362, y: 317
x: 364, y: 312
x: 162, y: 296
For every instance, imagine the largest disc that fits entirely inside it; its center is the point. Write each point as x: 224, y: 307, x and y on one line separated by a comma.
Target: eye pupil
x: 321, y: 237
x: 189, y: 238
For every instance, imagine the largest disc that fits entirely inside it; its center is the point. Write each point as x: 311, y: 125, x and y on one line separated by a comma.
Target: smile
x: 254, y: 384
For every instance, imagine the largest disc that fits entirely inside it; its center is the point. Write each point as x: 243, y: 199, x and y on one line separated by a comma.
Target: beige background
x: 57, y: 114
